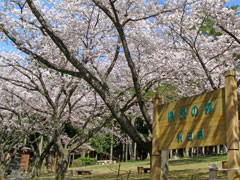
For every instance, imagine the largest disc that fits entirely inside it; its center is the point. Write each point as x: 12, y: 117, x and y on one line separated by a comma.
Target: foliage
x: 208, y: 28
x: 87, y: 161
x: 140, y: 126
x: 102, y: 143
x: 70, y: 130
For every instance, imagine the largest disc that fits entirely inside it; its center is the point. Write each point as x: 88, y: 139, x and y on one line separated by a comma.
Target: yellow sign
x: 192, y: 122
x: 204, y: 120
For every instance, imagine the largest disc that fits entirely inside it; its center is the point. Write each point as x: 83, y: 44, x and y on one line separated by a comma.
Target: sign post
x: 156, y: 154
x: 204, y: 120
x: 232, y: 129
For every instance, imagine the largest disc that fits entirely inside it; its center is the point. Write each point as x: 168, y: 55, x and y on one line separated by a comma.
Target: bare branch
x: 229, y: 33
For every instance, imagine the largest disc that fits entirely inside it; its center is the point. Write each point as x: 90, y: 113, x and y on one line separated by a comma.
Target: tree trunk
x: 62, y: 163
x: 123, y: 152
x: 171, y: 154
x: 112, y: 141
x: 36, y: 171
x: 218, y: 149
x: 135, y: 151
x: 126, y: 152
x: 186, y: 153
x: 37, y: 167
x: 131, y: 147
x: 203, y: 150
x: 214, y: 150
x: 63, y: 160
x: 40, y: 145
x: 3, y: 169
x: 177, y: 153
x: 83, y: 153
x: 111, y: 150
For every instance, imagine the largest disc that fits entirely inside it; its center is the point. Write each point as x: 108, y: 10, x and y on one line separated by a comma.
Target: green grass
x: 181, y: 169
x: 194, y: 168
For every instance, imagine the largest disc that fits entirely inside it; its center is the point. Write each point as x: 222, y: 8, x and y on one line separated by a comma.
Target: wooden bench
x: 143, y: 170
x: 140, y: 170
x: 80, y: 172
x: 146, y: 170
x: 213, y: 170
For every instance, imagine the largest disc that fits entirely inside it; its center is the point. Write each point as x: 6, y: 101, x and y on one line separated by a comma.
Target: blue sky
x: 4, y: 46
x: 233, y: 2
x: 229, y: 3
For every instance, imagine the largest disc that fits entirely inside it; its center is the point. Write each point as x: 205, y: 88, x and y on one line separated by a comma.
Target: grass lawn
x: 181, y: 169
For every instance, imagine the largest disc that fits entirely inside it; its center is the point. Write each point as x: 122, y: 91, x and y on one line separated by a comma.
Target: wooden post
x: 218, y: 149
x: 177, y: 153
x: 231, y: 106
x: 212, y: 171
x: 119, y: 170
x: 140, y: 170
x: 164, y: 164
x: 186, y: 152
x: 156, y: 154
x: 203, y: 150
x: 192, y: 151
x: 171, y: 154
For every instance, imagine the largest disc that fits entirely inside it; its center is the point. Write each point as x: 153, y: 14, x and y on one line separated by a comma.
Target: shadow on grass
x: 193, y: 174
x: 194, y: 160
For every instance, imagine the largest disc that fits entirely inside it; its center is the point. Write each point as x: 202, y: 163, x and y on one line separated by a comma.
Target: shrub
x: 87, y: 161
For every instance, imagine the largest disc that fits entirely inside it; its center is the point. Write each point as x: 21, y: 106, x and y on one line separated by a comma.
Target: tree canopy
x: 124, y: 50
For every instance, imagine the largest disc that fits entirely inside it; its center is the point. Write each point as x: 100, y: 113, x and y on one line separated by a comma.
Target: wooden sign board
x: 204, y: 120
x: 192, y: 122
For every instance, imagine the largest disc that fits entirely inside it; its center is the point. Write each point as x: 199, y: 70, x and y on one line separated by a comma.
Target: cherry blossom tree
x: 201, y: 55
x: 12, y: 133
x: 124, y: 49
x: 52, y: 101
x: 14, y: 129
x: 96, y: 56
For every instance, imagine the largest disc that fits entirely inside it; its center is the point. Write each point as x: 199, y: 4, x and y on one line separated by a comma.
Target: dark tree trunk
x: 62, y: 165
x: 36, y: 169
x: 39, y: 160
x: 3, y: 169
x: 63, y: 161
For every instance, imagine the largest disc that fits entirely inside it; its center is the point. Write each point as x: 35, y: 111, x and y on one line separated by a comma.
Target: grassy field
x: 181, y: 169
